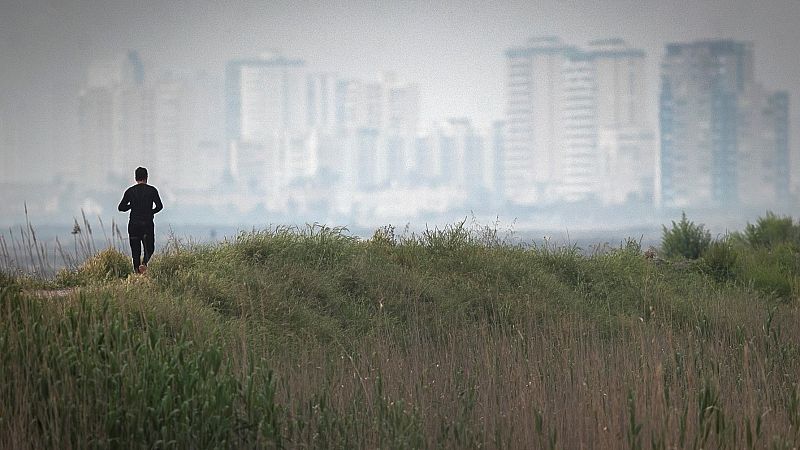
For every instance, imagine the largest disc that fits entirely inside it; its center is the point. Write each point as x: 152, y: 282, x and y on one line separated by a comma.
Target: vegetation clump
x: 721, y: 259
x: 450, y: 338
x: 107, y: 265
x: 685, y: 239
x: 8, y: 281
x: 772, y: 230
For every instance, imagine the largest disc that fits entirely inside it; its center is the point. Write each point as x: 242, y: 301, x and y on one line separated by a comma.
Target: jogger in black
x: 139, y: 199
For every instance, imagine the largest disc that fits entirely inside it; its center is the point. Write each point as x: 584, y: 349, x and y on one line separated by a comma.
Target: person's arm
x: 125, y: 204
x: 157, y: 201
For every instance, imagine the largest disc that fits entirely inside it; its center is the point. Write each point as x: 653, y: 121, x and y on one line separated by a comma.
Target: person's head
x: 141, y: 174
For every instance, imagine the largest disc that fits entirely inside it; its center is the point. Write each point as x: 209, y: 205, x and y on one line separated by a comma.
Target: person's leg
x: 136, y: 251
x: 149, y: 240
x: 135, y: 234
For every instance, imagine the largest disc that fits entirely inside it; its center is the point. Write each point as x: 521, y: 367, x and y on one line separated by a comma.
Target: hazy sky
x: 453, y: 50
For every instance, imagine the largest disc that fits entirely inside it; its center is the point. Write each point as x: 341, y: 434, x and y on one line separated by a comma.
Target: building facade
x: 575, y: 120
x: 534, y: 133
x: 724, y: 142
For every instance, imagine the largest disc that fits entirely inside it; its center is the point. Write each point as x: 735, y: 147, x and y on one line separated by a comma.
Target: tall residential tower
x: 724, y: 138
x: 576, y: 124
x: 535, y: 90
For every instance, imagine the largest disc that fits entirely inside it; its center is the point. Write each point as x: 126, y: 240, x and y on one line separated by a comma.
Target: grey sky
x: 453, y: 50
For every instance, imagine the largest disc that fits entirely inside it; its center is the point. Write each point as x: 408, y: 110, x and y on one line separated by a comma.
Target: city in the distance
x: 576, y: 141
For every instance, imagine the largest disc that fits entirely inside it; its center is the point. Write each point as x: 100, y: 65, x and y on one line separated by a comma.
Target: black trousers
x: 141, y: 232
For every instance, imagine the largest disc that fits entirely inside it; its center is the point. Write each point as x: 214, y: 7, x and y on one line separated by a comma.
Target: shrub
x: 685, y: 239
x: 771, y: 230
x: 774, y: 271
x: 720, y: 260
x: 770, y: 280
x: 107, y: 265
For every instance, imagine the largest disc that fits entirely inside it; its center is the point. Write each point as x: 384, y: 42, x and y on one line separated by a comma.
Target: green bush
x: 685, y: 239
x: 767, y: 279
x: 771, y: 270
x: 720, y: 260
x: 771, y: 230
x: 109, y: 264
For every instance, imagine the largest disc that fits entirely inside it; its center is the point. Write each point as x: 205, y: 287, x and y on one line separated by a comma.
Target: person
x: 139, y: 200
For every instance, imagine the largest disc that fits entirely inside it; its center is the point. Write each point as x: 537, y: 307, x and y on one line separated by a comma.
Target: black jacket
x: 139, y: 199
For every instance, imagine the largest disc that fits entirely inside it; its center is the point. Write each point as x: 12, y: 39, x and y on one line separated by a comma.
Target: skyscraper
x: 360, y: 117
x: 323, y: 122
x: 322, y: 102
x: 575, y: 121
x: 700, y: 84
x: 625, y: 139
x: 577, y: 165
x: 265, y: 95
x: 113, y: 118
x: 267, y: 115
x: 722, y: 135
x: 533, y: 140
x: 402, y: 115
x: 763, y: 159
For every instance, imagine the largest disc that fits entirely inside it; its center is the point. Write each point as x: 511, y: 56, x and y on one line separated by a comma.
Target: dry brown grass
x: 566, y: 384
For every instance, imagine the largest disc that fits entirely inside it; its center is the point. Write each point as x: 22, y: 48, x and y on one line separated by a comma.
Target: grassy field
x: 453, y: 338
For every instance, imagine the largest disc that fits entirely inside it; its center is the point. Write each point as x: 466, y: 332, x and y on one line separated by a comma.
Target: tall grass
x: 22, y: 252
x: 454, y: 338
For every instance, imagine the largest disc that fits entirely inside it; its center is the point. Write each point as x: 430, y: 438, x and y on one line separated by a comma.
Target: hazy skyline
x: 453, y: 50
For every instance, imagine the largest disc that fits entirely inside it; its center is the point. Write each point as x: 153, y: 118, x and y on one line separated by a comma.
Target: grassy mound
x: 449, y: 338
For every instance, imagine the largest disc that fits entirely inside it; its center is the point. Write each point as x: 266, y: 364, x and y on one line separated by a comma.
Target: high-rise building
x: 723, y: 137
x: 322, y: 102
x: 576, y: 167
x: 360, y: 105
x: 700, y: 84
x: 625, y: 139
x: 402, y: 115
x: 402, y: 108
x: 428, y: 170
x: 113, y: 119
x: 267, y: 116
x: 575, y: 118
x: 322, y: 119
x: 359, y: 113
x: 264, y: 96
x: 533, y: 139
x: 462, y: 154
x: 627, y: 165
x: 378, y: 120
x: 777, y: 113
x: 763, y: 148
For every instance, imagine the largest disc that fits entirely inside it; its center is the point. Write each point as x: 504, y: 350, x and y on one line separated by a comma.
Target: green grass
x: 450, y: 338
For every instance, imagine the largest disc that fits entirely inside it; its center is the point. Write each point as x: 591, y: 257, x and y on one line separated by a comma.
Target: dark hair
x: 141, y: 174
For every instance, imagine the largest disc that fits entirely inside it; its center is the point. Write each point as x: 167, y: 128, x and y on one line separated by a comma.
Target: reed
x: 24, y: 253
x: 451, y: 338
